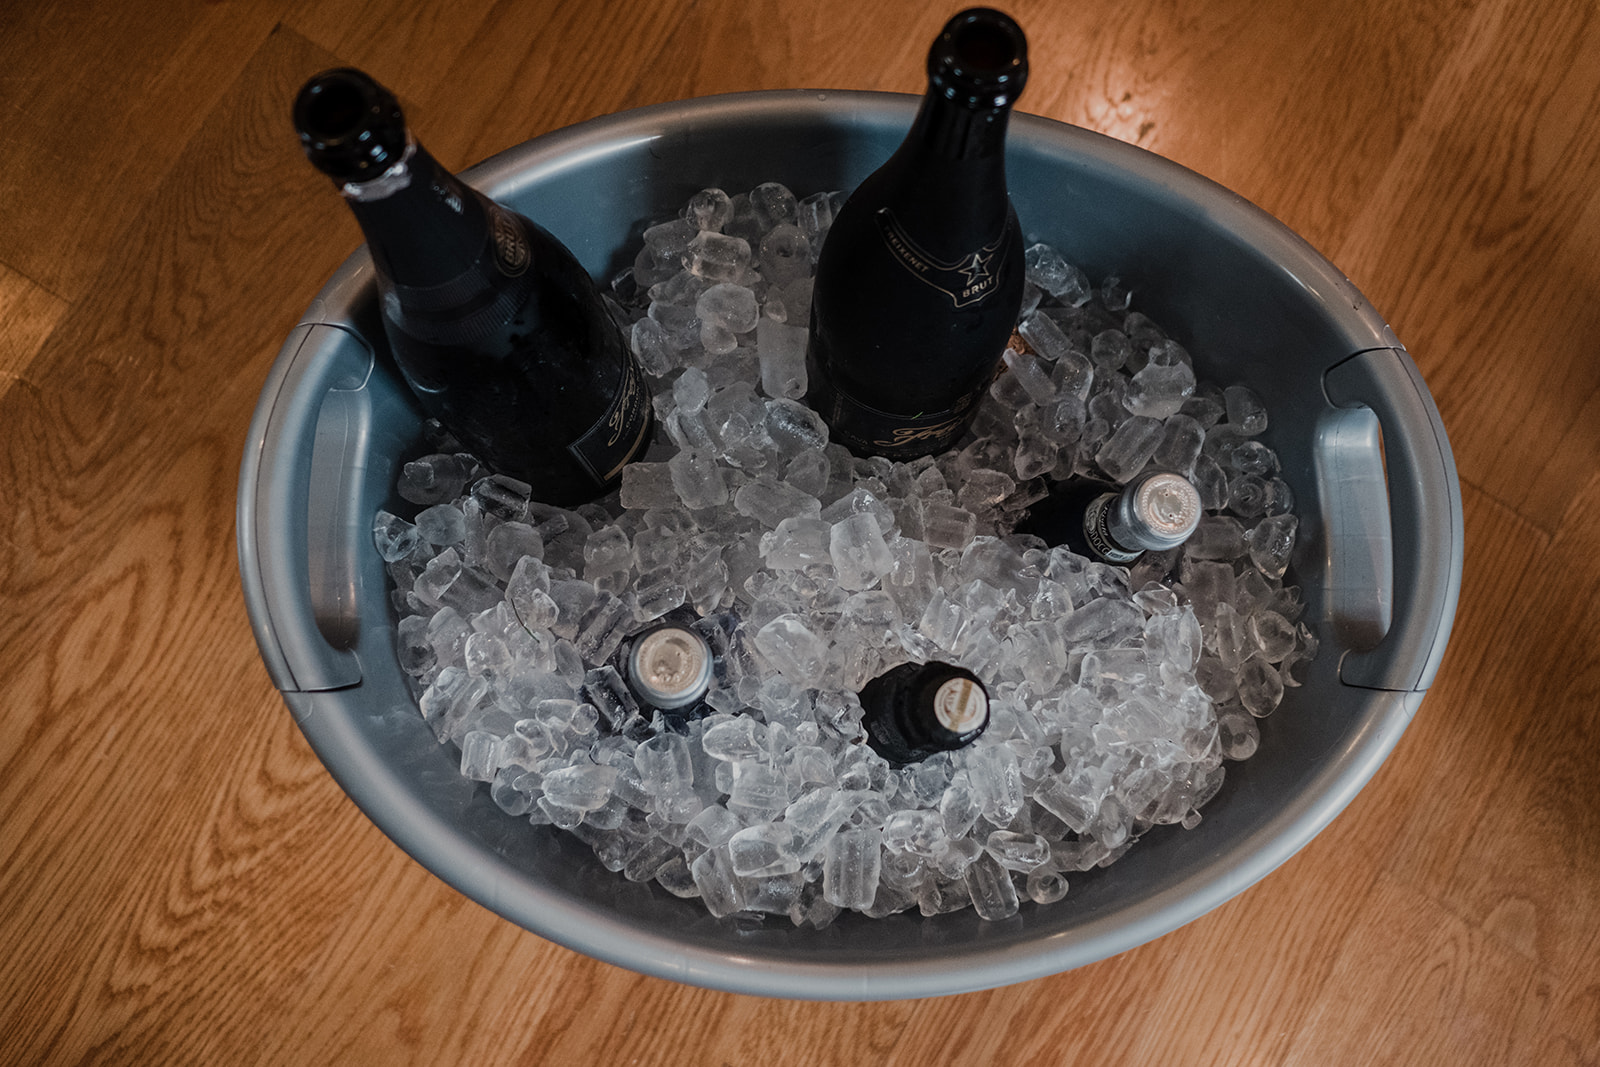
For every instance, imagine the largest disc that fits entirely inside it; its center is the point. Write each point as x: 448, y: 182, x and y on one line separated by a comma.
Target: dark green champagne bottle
x: 494, y: 324
x: 920, y: 279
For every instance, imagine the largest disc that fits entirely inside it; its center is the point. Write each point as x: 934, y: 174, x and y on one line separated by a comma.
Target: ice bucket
x: 1379, y: 556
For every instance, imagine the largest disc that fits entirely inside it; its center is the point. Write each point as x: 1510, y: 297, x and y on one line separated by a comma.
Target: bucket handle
x: 1425, y: 515
x: 296, y: 550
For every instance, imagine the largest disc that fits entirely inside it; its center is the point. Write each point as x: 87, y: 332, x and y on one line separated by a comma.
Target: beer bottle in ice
x: 1156, y: 511
x: 917, y: 709
x: 669, y: 666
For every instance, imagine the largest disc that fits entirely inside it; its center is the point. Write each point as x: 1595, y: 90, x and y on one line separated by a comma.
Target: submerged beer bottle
x: 669, y: 666
x: 495, y: 326
x: 920, y: 279
x: 1154, y: 512
x: 918, y: 709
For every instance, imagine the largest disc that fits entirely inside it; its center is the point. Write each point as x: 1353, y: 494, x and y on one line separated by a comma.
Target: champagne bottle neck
x: 424, y: 227
x: 949, y: 132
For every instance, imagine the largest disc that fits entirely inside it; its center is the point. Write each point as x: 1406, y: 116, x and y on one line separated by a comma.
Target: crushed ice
x: 1118, y: 694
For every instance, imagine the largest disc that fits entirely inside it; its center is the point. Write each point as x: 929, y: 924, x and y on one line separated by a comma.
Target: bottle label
x: 1097, y: 532
x: 613, y: 442
x: 960, y: 706
x: 866, y: 430
x: 967, y: 281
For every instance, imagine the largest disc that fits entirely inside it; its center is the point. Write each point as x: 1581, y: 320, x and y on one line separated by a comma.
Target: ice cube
x: 947, y: 526
x: 919, y: 831
x: 764, y: 850
x: 785, y: 255
x: 1271, y: 543
x: 1158, y: 391
x: 478, y: 750
x: 584, y: 786
x: 758, y: 793
x: 993, y: 896
x: 508, y: 544
x: 394, y: 537
x: 794, y: 427
x: 1046, y: 886
x: 606, y: 551
x: 709, y: 209
x: 815, y: 218
x: 773, y: 205
x: 665, y: 764
x: 1238, y: 733
x: 1216, y: 537
x: 718, y: 885
x: 1260, y: 686
x: 782, y: 352
x: 712, y: 826
x: 656, y: 351
x: 1049, y: 270
x: 435, y: 479
x: 698, y: 479
x: 1033, y: 377
x: 1019, y: 852
x: 1274, y: 634
x: 442, y: 524
x: 1044, y: 336
x: 791, y: 646
x: 1245, y: 409
x: 850, y: 868
x: 770, y: 502
x: 860, y: 555
x: 1110, y: 350
x: 728, y: 307
x: 797, y: 543
x: 1130, y: 447
x: 648, y: 485
x: 740, y: 738
x: 717, y: 257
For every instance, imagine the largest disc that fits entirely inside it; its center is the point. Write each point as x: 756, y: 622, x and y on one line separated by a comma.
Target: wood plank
x: 28, y: 312
x: 123, y: 576
x: 411, y: 46
x: 1530, y: 873
x: 1450, y: 994
x: 1461, y: 737
x: 70, y: 176
x: 1475, y: 214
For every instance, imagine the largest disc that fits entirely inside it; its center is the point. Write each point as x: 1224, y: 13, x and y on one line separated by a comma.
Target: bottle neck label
x: 1097, y: 532
x: 968, y: 281
x: 613, y: 442
x: 512, y: 253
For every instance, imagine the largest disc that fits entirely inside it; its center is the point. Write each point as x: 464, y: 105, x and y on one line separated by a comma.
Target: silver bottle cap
x: 1164, y: 511
x: 670, y: 667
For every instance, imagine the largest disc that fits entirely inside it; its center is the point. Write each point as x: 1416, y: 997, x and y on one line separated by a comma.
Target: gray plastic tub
x: 1379, y: 555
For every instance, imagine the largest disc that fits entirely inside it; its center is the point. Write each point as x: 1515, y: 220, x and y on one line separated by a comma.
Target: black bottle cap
x: 351, y: 127
x: 980, y: 60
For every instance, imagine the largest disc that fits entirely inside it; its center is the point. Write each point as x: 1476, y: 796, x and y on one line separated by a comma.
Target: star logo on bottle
x: 965, y: 281
x: 977, y: 270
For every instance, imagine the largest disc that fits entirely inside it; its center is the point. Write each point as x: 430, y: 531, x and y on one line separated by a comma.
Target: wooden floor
x: 182, y: 882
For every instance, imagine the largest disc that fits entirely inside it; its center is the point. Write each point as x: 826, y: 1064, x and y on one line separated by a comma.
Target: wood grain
x: 182, y: 882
